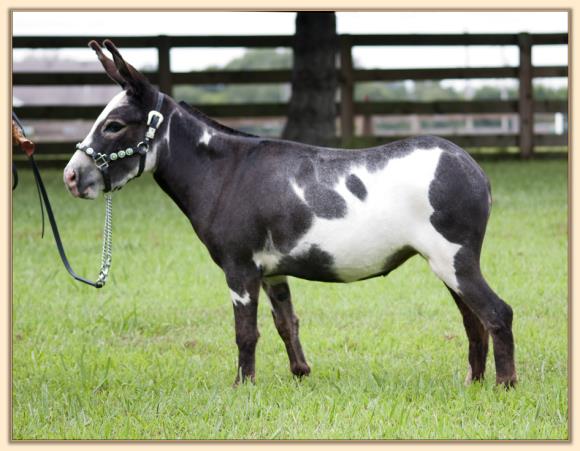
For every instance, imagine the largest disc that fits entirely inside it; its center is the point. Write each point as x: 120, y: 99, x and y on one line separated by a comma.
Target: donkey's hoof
x: 470, y: 378
x: 244, y: 379
x: 506, y: 381
x: 300, y: 369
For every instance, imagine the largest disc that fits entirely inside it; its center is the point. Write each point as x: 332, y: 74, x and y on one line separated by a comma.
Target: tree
x: 376, y: 91
x: 279, y: 58
x: 542, y: 92
x: 260, y: 59
x: 430, y: 91
x: 312, y: 108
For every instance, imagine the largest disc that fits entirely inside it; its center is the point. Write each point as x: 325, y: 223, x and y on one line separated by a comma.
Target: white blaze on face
x: 115, y: 102
x: 394, y: 214
x: 237, y: 299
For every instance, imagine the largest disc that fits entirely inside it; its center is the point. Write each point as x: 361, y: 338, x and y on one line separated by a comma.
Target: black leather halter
x: 103, y: 160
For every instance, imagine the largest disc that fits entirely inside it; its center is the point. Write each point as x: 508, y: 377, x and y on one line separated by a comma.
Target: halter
x: 103, y: 160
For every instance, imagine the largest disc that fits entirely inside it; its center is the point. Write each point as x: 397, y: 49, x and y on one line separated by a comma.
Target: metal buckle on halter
x: 101, y: 161
x: 153, y: 128
x: 153, y: 114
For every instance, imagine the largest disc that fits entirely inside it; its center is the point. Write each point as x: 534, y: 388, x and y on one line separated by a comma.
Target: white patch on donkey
x: 298, y: 191
x: 395, y: 214
x: 206, y: 136
x: 269, y: 256
x: 237, y: 299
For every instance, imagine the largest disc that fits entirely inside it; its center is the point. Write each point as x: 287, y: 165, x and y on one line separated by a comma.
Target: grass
x: 152, y: 355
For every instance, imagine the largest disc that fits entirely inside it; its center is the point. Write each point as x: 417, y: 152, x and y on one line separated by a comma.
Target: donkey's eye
x: 114, y: 127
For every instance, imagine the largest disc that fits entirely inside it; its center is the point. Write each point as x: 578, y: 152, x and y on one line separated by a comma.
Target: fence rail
x: 287, y: 41
x: 348, y: 75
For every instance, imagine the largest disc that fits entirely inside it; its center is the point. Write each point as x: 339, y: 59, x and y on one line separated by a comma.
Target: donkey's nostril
x: 70, y: 175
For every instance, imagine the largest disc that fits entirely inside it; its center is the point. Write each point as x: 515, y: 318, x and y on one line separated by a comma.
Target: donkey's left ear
x: 108, y: 64
x: 136, y: 83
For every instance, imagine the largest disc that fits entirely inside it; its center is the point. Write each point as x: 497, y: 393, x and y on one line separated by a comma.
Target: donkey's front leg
x: 244, y: 290
x: 286, y: 322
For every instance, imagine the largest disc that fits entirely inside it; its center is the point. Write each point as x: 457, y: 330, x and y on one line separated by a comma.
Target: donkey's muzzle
x: 81, y: 181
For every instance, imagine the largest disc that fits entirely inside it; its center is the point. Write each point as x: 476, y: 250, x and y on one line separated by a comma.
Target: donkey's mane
x: 211, y: 122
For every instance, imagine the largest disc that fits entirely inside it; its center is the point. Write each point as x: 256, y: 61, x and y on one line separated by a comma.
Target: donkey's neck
x: 195, y: 156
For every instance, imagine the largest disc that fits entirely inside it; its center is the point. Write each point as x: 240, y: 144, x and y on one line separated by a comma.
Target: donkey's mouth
x: 73, y: 190
x: 89, y: 192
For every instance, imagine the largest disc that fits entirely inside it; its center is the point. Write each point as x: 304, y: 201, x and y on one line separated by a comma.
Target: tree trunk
x: 312, y: 110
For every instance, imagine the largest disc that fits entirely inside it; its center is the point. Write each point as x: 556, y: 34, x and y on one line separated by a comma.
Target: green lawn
x: 152, y: 355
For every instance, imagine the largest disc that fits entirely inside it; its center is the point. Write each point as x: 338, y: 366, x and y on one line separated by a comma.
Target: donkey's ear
x: 135, y: 82
x: 108, y: 64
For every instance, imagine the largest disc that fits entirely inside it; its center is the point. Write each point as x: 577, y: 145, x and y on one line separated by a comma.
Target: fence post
x: 526, y: 106
x: 164, y: 68
x: 346, y: 91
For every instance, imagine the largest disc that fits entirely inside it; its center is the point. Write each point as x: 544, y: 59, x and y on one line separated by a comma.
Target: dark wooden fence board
x: 287, y: 40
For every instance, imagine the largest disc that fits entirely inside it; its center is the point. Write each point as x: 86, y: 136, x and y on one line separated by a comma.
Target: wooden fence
x: 347, y: 108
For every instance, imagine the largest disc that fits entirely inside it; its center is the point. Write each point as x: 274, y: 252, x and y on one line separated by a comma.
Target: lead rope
x: 107, y: 233
x: 107, y: 257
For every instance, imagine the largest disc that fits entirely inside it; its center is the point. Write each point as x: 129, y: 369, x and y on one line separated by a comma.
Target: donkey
x: 268, y: 208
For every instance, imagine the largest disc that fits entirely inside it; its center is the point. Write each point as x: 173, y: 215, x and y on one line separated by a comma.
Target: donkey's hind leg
x: 286, y: 322
x: 461, y: 272
x: 496, y: 317
x: 478, y: 338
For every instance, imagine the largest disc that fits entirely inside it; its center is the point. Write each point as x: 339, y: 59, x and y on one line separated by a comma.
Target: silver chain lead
x: 107, y: 242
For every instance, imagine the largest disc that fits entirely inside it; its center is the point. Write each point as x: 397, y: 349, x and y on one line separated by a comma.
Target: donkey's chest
x: 376, y: 216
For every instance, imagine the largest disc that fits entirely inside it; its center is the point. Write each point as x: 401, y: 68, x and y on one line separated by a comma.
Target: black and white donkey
x: 267, y: 209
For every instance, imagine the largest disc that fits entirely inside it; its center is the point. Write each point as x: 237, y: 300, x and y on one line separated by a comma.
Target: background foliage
x: 256, y: 59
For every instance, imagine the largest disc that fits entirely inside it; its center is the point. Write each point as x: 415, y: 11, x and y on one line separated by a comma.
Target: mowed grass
x: 152, y: 355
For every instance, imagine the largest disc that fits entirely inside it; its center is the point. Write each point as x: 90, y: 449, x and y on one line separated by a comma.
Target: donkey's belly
x: 352, y: 250
x: 390, y: 222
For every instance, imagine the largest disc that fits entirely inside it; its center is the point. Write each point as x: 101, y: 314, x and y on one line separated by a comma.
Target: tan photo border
x: 228, y: 5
